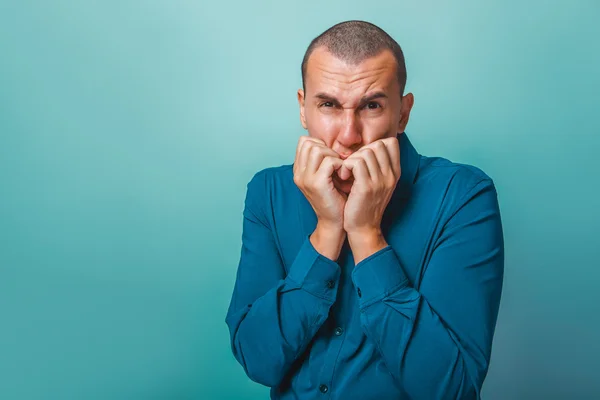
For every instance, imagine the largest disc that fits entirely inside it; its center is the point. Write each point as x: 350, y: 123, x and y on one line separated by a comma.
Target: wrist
x: 328, y: 240
x: 365, y: 242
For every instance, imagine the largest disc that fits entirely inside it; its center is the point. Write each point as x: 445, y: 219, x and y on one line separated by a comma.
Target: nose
x: 350, y: 133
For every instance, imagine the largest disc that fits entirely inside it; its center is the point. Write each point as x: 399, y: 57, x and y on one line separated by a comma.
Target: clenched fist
x: 323, y: 177
x: 314, y: 168
x: 313, y: 174
x: 376, y: 170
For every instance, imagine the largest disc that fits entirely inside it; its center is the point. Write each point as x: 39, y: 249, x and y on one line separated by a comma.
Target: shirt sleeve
x: 436, y: 341
x: 272, y: 315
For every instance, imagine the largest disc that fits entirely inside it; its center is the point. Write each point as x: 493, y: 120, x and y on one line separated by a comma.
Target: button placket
x: 335, y: 342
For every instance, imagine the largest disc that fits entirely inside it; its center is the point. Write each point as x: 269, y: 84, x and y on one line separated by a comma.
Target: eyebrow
x: 363, y: 100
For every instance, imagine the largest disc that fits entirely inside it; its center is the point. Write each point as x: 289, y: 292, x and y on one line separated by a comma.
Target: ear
x: 301, y: 104
x: 408, y: 100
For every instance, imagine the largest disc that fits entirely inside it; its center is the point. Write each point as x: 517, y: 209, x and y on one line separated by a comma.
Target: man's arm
x: 272, y: 317
x: 437, y: 341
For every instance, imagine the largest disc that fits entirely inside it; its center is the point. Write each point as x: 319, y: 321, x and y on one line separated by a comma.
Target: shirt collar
x: 409, y: 165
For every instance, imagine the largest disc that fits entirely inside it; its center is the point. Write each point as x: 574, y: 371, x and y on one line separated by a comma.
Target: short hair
x: 355, y: 41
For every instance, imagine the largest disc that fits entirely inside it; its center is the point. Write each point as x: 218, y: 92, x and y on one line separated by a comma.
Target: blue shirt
x: 414, y: 320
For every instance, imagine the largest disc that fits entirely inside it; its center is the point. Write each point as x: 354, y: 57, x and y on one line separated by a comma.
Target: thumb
x: 344, y: 172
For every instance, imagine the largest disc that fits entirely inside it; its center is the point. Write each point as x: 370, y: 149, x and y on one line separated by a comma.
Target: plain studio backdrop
x: 129, y: 130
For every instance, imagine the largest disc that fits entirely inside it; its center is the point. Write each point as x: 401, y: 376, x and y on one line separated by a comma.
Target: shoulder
x: 267, y: 182
x: 450, y: 185
x: 441, y: 172
x: 267, y: 192
x: 269, y: 176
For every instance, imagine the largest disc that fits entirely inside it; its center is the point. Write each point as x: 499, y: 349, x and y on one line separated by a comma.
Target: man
x: 367, y: 271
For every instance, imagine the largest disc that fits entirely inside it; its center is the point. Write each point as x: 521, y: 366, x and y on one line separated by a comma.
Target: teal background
x: 129, y: 130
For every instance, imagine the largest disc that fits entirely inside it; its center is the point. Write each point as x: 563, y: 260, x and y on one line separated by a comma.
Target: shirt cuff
x: 314, y: 272
x: 377, y: 276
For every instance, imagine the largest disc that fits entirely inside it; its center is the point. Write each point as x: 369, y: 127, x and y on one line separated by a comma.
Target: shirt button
x: 330, y: 284
x: 338, y: 331
x: 358, y: 292
x: 323, y: 388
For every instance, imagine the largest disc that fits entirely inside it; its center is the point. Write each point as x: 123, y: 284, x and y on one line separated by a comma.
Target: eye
x: 326, y: 104
x: 372, y: 105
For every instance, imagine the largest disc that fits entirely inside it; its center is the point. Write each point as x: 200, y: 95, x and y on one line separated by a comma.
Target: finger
x: 315, y: 157
x: 328, y: 166
x: 372, y: 164
x: 383, y: 157
x: 393, y: 148
x: 344, y: 172
x: 304, y: 154
x: 359, y: 169
x: 301, y: 142
x: 317, y: 153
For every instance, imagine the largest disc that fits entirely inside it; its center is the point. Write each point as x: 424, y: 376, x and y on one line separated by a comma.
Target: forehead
x: 326, y: 71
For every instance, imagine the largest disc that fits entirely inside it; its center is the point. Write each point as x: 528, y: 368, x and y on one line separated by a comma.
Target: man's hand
x: 314, y: 167
x: 376, y: 170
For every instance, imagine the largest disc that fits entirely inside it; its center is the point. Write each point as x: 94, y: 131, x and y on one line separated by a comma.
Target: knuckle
x: 301, y: 147
x: 314, y: 153
x: 301, y: 141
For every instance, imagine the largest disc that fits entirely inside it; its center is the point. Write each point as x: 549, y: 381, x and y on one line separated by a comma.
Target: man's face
x: 351, y: 106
